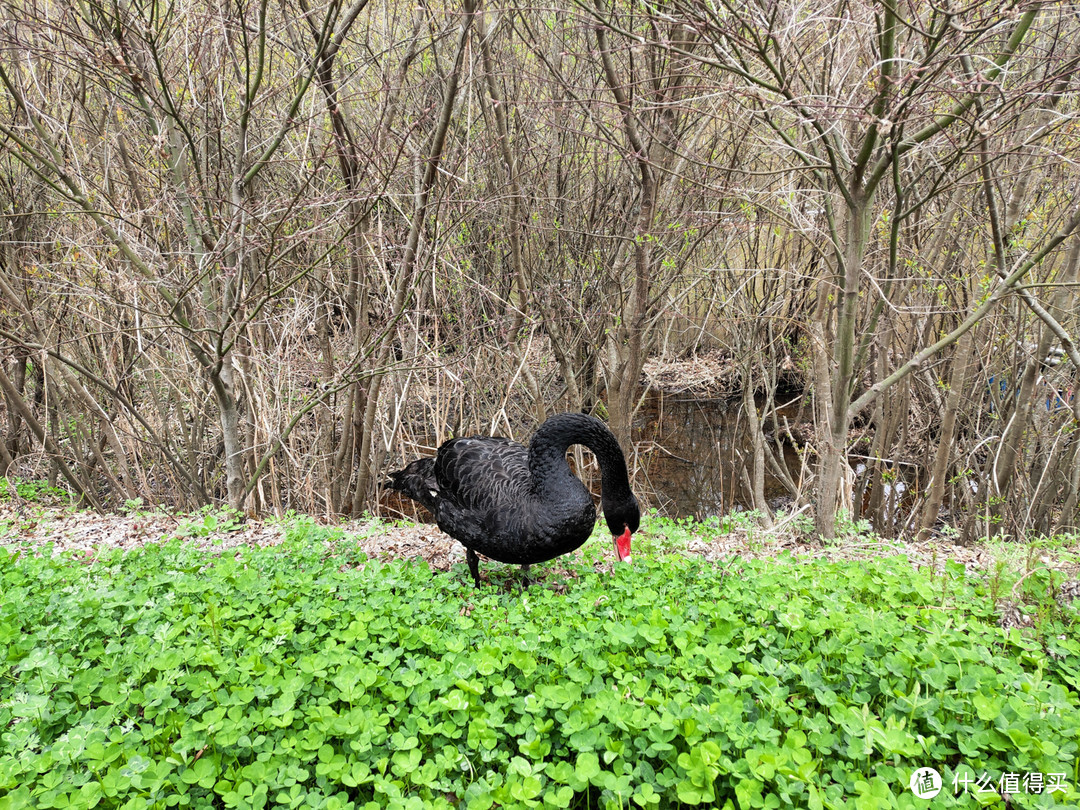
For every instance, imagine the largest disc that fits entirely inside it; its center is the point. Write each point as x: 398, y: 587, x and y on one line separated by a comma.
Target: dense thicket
x: 249, y: 248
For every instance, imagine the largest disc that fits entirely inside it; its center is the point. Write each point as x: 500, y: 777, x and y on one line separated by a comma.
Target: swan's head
x: 623, y: 520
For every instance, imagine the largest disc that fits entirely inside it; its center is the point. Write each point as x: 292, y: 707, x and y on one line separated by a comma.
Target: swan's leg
x: 474, y: 565
x: 526, y: 580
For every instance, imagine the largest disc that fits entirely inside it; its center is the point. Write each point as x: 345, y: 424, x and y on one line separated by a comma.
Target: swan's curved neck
x: 547, y: 454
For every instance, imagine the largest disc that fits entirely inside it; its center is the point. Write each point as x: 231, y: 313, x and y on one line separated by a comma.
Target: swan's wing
x: 483, y: 474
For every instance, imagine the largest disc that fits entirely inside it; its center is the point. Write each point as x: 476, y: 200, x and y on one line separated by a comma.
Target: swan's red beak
x: 622, y: 545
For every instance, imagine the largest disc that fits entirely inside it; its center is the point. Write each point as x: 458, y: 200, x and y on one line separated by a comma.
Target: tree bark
x: 834, y: 448
x: 939, y: 472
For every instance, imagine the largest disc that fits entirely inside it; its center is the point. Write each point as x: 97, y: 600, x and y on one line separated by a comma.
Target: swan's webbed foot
x: 474, y: 565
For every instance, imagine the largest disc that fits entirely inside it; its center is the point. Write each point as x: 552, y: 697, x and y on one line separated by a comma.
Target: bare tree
x: 904, y: 120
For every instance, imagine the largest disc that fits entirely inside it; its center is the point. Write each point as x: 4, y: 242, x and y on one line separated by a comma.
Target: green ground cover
x: 305, y: 675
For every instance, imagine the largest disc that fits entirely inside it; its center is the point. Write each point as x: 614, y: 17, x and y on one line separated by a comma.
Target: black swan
x: 519, y: 505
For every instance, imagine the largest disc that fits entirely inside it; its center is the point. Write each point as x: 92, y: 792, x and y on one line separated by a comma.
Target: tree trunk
x: 757, y: 438
x: 221, y: 381
x: 833, y: 430
x: 939, y: 472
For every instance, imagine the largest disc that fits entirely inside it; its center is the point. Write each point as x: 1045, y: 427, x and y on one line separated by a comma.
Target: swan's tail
x: 417, y: 481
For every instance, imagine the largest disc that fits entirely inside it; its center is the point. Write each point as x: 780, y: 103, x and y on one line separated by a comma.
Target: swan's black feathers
x: 481, y: 472
x: 517, y: 504
x: 417, y: 481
